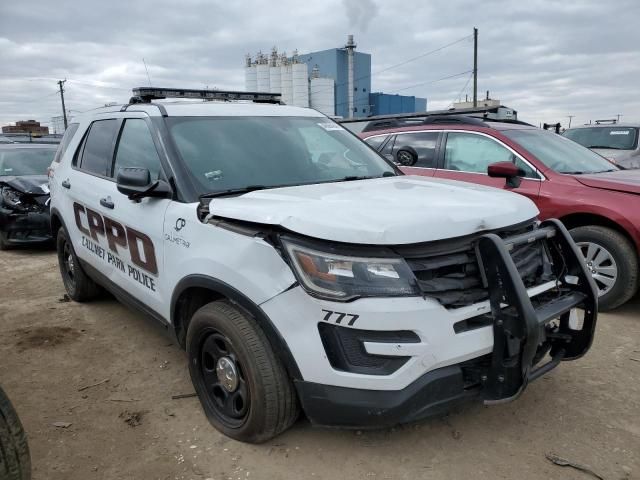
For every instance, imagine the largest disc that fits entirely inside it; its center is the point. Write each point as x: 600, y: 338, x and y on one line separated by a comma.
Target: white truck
x: 301, y: 270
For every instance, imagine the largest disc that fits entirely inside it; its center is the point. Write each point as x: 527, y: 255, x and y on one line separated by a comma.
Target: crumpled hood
x: 384, y: 211
x: 627, y: 181
x: 30, y: 184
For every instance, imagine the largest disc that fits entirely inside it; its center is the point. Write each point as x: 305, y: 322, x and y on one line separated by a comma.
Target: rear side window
x: 66, y: 140
x: 97, y: 152
x: 416, y: 149
x: 376, y: 142
x: 136, y: 148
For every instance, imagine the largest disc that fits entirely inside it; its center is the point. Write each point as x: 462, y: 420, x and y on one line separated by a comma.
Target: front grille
x: 453, y: 276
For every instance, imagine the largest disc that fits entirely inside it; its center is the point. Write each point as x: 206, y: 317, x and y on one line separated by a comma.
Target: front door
x: 467, y: 156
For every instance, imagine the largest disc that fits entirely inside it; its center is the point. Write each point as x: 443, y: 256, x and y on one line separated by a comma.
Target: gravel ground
x: 127, y: 426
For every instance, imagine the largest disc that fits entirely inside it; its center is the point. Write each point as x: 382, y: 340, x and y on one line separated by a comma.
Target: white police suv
x: 301, y: 270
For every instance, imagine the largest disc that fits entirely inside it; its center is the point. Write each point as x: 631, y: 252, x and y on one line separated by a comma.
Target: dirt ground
x: 110, y: 373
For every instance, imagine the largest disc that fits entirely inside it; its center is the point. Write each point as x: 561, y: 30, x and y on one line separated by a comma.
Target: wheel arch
x: 55, y: 222
x: 583, y: 219
x: 194, y: 291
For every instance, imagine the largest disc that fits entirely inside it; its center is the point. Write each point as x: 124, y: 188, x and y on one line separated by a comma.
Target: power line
x: 463, y: 89
x: 430, y: 82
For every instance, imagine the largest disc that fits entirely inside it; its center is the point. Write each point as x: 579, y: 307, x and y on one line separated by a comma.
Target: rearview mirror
x: 136, y: 183
x: 506, y: 170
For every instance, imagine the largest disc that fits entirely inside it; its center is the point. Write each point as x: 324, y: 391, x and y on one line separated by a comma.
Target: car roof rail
x: 454, y: 119
x: 147, y: 94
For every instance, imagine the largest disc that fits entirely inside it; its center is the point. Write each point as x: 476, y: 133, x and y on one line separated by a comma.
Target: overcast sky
x: 546, y: 59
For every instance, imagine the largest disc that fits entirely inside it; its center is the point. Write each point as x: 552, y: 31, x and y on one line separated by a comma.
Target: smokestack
x: 350, y: 46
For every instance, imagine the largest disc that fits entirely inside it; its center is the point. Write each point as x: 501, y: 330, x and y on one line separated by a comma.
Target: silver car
x: 617, y: 142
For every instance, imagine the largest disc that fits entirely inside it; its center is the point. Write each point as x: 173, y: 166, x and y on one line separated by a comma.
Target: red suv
x: 596, y: 200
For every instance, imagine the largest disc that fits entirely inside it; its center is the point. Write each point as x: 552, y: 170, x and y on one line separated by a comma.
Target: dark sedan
x: 24, y: 194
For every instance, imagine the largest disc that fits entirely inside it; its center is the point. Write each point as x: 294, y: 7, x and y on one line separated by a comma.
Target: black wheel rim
x: 224, y: 379
x: 68, y: 263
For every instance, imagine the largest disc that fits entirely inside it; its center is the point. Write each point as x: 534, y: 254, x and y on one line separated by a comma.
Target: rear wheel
x: 612, y: 261
x: 244, y: 389
x: 77, y: 283
x: 15, y: 462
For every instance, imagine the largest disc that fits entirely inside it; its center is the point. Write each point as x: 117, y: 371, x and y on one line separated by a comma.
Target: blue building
x: 388, y: 104
x: 332, y: 63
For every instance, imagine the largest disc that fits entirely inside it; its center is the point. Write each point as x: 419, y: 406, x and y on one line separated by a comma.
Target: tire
x: 220, y: 333
x: 77, y: 283
x: 15, y: 462
x: 612, y: 258
x: 406, y: 157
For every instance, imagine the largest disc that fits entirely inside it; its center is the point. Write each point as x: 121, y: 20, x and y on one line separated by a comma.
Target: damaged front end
x: 24, y: 213
x: 503, y: 268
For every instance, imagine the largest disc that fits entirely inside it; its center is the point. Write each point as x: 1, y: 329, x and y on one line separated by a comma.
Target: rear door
x: 467, y: 155
x: 85, y: 183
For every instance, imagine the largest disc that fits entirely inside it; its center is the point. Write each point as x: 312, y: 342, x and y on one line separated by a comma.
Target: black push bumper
x: 24, y: 228
x: 524, y: 331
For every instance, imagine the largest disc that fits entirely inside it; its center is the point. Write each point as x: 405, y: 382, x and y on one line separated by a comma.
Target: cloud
x: 546, y: 59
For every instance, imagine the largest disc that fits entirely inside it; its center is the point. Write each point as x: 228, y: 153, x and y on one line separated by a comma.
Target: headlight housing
x: 12, y: 198
x: 344, y: 277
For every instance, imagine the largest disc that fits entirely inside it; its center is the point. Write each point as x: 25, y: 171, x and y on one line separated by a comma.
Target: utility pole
x: 475, y: 67
x: 570, y: 117
x: 618, y: 115
x: 64, y: 111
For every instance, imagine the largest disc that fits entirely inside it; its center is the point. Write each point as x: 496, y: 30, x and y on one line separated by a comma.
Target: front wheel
x: 612, y: 261
x: 243, y: 388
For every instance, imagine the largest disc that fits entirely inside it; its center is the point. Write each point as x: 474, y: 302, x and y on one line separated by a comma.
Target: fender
x: 280, y: 347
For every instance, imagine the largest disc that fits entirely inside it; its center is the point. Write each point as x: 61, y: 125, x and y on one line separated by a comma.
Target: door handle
x: 107, y: 203
x: 66, y: 184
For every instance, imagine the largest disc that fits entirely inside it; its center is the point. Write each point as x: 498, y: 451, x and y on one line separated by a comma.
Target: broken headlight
x: 12, y: 198
x: 340, y: 277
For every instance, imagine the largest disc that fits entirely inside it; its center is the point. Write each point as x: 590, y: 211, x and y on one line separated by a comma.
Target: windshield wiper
x: 234, y: 191
x: 605, y: 146
x: 351, y: 178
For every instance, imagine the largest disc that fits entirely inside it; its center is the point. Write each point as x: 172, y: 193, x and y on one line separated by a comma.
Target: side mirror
x: 136, y: 183
x: 506, y: 170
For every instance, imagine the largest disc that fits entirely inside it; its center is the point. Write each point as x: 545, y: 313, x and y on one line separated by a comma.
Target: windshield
x: 25, y: 161
x: 559, y: 153
x: 616, y: 138
x: 228, y: 153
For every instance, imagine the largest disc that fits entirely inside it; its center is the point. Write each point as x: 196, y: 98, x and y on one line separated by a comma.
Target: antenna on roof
x: 146, y: 70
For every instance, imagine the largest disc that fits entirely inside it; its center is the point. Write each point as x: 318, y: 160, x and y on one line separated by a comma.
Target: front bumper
x: 24, y: 228
x: 490, y: 350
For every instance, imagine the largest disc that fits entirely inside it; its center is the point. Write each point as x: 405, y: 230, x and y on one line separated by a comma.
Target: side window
x: 376, y: 142
x: 468, y: 152
x: 136, y: 148
x: 529, y: 172
x: 66, y: 140
x: 96, y: 154
x: 387, y: 150
x: 416, y: 149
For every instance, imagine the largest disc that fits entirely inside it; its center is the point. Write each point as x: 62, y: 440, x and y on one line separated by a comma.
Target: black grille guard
x: 521, y: 332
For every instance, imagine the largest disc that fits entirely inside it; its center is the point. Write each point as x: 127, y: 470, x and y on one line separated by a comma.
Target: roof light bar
x: 147, y: 94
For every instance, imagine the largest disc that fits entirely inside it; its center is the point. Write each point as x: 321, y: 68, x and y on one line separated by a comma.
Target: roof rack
x: 147, y: 94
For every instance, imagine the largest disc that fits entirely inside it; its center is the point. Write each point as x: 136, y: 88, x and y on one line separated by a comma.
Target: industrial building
x: 26, y: 126
x: 336, y: 82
